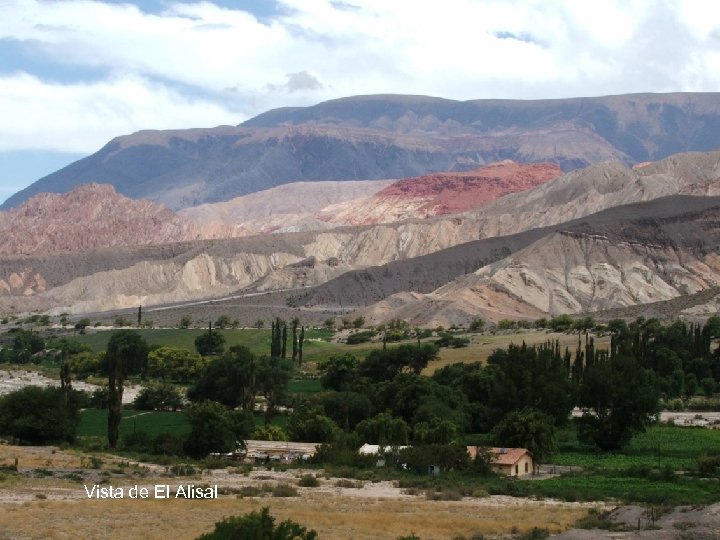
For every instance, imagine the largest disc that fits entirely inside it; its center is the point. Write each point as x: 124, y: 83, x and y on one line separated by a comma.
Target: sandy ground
x: 14, y: 380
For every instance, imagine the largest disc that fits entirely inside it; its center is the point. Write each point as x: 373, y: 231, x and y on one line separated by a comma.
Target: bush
x: 534, y: 534
x: 39, y: 415
x: 137, y: 441
x: 437, y: 494
x: 284, y: 490
x: 209, y: 343
x: 167, y: 444
x: 349, y: 484
x: 258, y: 526
x: 308, y: 480
x: 158, y: 397
x: 82, y: 324
x: 708, y: 465
x: 360, y: 337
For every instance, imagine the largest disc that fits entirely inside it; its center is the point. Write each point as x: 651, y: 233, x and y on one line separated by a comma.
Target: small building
x: 508, y: 461
x: 279, y: 451
x: 378, y: 449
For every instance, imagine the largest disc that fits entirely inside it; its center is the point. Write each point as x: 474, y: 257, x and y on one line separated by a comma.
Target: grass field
x: 481, y: 346
x: 93, y: 423
x: 659, y: 446
x: 333, y: 517
x: 596, y: 487
x: 258, y: 341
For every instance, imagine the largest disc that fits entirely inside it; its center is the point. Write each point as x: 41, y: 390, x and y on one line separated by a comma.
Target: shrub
x: 39, y: 415
x: 443, y: 495
x: 534, y: 534
x: 284, y: 490
x: 138, y: 441
x: 345, y: 483
x: 308, y: 480
x: 258, y: 526
x: 708, y: 465
x: 158, y: 397
x: 250, y: 491
x: 360, y: 337
x: 82, y: 324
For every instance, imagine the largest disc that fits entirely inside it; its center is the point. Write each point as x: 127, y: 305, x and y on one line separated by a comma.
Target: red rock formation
x: 443, y: 193
x: 93, y: 216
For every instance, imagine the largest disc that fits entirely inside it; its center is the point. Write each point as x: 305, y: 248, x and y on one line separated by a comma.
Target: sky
x: 76, y: 73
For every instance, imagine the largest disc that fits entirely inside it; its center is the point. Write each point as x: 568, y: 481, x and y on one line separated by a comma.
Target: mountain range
x: 389, y: 136
x: 392, y: 206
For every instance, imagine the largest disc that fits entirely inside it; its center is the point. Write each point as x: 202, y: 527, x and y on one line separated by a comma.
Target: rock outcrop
x: 441, y: 193
x: 94, y: 216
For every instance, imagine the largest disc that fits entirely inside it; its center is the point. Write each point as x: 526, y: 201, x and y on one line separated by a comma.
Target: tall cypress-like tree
x: 295, y: 323
x: 283, y: 350
x: 126, y: 354
x: 139, y: 316
x: 272, y: 337
x: 300, y: 345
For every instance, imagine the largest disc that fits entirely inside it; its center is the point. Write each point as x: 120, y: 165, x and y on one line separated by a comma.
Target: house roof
x: 280, y: 447
x: 372, y: 449
x: 501, y: 456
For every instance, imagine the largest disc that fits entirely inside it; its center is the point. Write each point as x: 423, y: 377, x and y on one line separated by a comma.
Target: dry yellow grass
x: 334, y: 518
x: 35, y: 457
x: 482, y: 346
x: 56, y: 507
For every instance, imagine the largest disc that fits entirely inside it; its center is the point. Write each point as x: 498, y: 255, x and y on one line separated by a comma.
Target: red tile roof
x: 501, y: 456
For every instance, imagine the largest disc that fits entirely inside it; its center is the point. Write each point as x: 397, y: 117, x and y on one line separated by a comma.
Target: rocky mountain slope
x: 93, y: 216
x: 441, y: 193
x: 372, y: 137
x: 286, y: 208
x: 109, y: 279
x: 591, y: 265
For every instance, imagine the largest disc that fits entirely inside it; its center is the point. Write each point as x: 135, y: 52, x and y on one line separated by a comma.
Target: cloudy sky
x: 75, y: 73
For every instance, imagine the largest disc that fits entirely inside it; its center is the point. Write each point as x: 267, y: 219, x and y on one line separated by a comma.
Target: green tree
x: 272, y: 379
x: 185, y: 321
x: 269, y: 433
x: 308, y: 423
x: 258, y: 526
x: 126, y: 354
x: 477, y: 325
x: 358, y: 322
x: 528, y: 428
x: 82, y: 324
x: 560, y: 323
x: 384, y: 429
x: 229, y: 379
x: 175, y: 364
x: 435, y: 431
x: 339, y: 373
x: 447, y: 456
x: 213, y: 428
x: 210, y: 343
x: 39, y: 415
x: 158, y: 397
x: 223, y: 321
x: 620, y: 398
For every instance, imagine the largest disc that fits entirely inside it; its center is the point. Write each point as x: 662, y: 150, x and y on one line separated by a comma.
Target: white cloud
x: 319, y: 49
x: 82, y: 117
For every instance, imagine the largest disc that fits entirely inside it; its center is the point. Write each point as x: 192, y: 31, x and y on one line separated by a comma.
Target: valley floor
x: 47, y: 499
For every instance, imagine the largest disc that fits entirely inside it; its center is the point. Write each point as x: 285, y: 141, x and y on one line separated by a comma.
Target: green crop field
x: 258, y: 341
x: 93, y: 422
x: 304, y: 386
x: 659, y: 446
x: 596, y: 487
